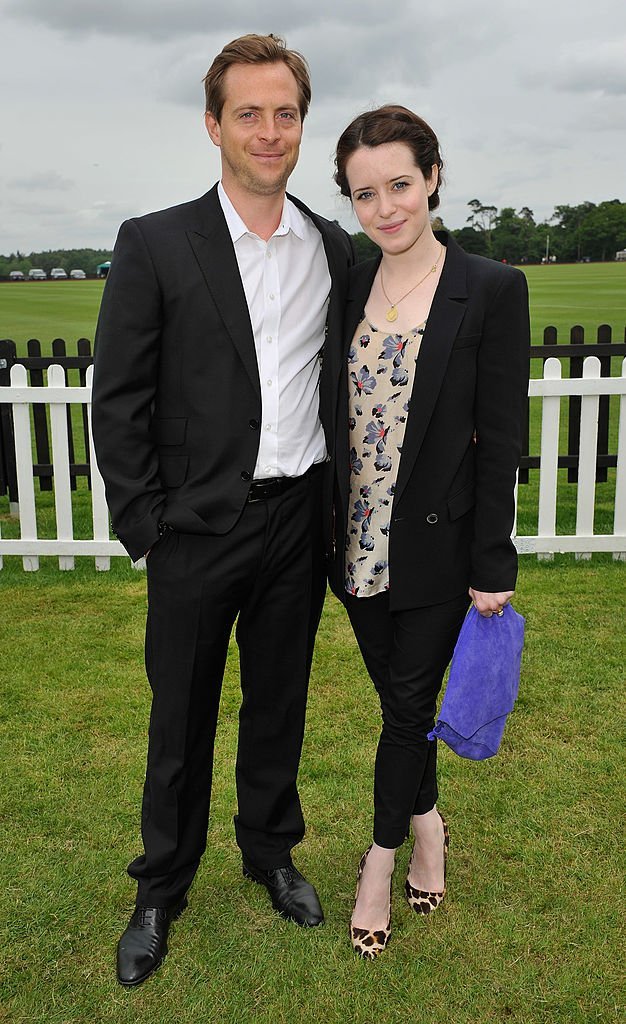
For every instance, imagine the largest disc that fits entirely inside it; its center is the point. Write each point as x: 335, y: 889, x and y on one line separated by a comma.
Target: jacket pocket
x: 462, y: 501
x: 466, y: 341
x: 173, y: 469
x: 170, y: 430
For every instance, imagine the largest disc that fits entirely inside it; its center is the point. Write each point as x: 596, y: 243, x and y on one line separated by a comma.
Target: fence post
x: 8, y: 472
x: 40, y: 422
x: 58, y: 349
x: 577, y: 337
x: 619, y: 521
x: 604, y: 338
x: 83, y: 347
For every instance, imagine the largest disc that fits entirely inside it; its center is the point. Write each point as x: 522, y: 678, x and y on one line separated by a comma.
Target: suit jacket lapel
x: 214, y: 251
x: 444, y: 320
x: 361, y: 280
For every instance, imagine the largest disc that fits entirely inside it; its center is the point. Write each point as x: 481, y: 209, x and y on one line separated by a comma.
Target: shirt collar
x: 292, y: 218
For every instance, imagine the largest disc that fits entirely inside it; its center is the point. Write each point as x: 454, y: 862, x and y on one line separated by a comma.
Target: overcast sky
x: 102, y: 102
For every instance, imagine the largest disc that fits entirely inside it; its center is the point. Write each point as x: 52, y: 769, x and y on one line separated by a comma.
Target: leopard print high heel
x: 421, y: 901
x: 369, y: 944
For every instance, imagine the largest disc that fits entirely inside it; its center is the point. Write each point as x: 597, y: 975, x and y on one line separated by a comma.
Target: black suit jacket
x: 453, y: 505
x: 176, y: 394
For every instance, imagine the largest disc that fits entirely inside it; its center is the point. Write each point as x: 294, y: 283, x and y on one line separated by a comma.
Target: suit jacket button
x: 245, y: 475
x: 432, y: 518
x: 253, y: 424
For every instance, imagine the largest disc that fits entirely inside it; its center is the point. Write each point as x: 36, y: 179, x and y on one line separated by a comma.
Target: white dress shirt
x: 287, y: 285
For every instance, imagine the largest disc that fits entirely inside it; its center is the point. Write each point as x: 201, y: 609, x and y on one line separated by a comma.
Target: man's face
x: 260, y: 129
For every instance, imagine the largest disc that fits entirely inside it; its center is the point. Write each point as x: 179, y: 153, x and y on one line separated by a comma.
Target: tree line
x: 573, y: 233
x: 588, y: 231
x: 68, y: 259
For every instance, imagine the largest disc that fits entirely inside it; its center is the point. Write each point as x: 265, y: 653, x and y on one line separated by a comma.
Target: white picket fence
x: 551, y: 389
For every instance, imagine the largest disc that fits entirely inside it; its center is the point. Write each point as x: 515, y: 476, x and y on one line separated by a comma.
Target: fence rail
x: 36, y: 364
x: 553, y: 390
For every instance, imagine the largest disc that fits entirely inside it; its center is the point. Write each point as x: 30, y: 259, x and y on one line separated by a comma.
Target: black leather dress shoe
x: 292, y: 896
x: 143, y: 945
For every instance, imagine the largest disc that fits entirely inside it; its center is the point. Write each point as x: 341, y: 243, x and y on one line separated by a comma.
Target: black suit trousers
x: 267, y: 574
x: 406, y: 654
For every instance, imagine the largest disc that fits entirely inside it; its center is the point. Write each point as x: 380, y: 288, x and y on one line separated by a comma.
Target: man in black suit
x: 217, y: 358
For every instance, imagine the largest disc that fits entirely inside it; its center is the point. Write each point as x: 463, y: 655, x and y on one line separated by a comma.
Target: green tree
x: 566, y: 240
x: 364, y: 247
x: 472, y: 241
x: 483, y: 218
x: 603, y: 230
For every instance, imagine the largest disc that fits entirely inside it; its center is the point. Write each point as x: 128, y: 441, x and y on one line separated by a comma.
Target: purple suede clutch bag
x: 482, y: 685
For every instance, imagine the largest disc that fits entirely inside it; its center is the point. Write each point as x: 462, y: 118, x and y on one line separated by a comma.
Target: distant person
x: 212, y: 418
x: 428, y: 442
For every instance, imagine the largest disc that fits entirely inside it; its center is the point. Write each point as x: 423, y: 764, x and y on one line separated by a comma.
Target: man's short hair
x: 255, y: 49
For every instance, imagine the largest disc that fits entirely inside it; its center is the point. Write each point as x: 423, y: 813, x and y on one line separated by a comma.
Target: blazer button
x: 432, y: 518
x: 253, y: 424
x: 245, y: 475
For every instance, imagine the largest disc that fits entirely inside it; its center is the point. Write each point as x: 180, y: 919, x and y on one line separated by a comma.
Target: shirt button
x: 245, y: 475
x: 268, y: 470
x: 269, y: 339
x: 268, y: 426
x: 272, y: 295
x: 269, y: 383
x: 432, y: 518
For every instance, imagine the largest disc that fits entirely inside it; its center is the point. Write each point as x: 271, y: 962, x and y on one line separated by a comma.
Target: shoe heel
x: 365, y: 943
x: 421, y: 901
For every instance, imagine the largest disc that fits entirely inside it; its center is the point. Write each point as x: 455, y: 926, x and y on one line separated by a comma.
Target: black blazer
x: 176, y: 394
x: 453, y: 506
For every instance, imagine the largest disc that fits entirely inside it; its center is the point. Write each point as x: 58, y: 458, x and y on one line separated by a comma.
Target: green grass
x: 48, y: 310
x: 561, y: 296
x: 588, y: 294
x: 530, y: 932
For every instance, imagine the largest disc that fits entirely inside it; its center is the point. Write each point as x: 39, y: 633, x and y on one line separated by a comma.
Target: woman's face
x: 390, y: 195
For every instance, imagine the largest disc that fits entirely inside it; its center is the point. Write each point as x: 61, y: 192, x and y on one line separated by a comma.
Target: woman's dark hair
x: 390, y: 124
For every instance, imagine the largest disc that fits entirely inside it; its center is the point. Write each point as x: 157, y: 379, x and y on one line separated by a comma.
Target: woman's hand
x: 489, y: 604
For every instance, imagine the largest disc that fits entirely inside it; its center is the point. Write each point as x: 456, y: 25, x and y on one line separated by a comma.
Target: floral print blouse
x: 381, y: 368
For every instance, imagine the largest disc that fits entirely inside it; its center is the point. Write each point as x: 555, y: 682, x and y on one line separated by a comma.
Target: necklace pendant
x: 392, y: 314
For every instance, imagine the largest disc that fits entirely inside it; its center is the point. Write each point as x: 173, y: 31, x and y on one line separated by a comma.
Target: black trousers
x: 406, y: 654
x: 268, y: 574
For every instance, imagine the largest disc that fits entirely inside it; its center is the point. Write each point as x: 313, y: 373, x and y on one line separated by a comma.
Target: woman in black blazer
x: 429, y: 432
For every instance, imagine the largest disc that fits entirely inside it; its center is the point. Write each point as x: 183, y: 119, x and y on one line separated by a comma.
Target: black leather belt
x: 262, y: 490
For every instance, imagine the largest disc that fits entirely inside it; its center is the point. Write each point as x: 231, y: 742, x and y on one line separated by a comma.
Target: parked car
x: 16, y: 275
x: 78, y: 275
x: 58, y: 274
x: 37, y: 275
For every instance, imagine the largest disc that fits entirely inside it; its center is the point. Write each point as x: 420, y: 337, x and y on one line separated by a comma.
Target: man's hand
x: 489, y: 604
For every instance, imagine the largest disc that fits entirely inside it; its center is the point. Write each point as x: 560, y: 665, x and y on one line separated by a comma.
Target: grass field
x: 561, y: 296
x: 588, y: 294
x: 532, y: 931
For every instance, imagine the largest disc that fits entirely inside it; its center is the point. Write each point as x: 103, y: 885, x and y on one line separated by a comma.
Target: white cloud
x: 102, y: 111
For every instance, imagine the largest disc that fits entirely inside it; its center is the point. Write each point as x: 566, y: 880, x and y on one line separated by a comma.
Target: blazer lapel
x: 361, y: 280
x: 215, y: 253
x: 445, y: 317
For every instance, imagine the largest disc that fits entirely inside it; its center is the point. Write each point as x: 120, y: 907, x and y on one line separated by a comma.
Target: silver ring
x: 500, y: 613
